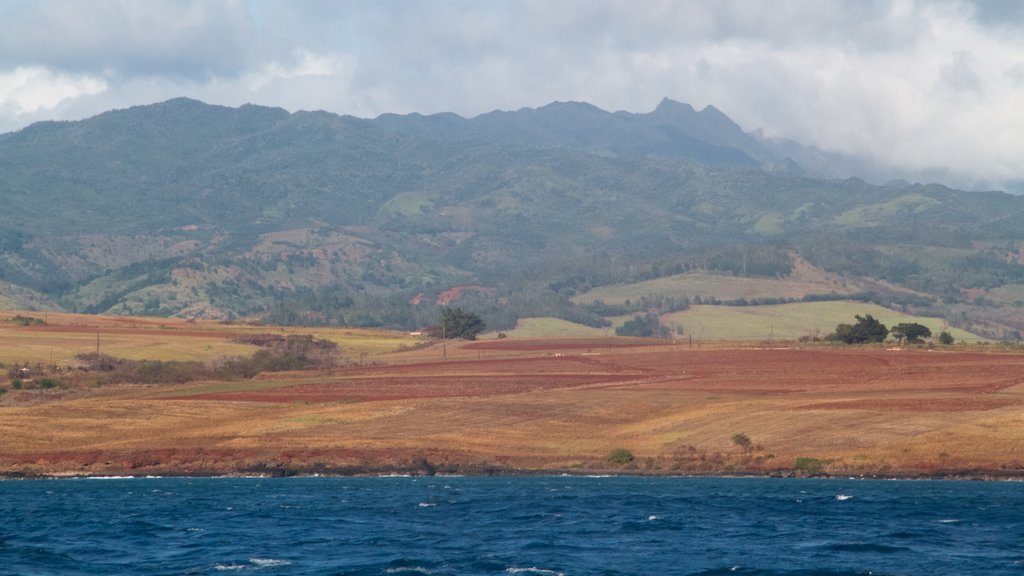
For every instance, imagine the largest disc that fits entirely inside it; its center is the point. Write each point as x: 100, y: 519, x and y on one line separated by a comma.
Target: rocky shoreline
x: 423, y: 468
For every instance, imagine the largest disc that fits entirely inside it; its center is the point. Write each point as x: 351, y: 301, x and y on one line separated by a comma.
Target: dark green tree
x: 743, y: 441
x: 866, y: 330
x: 945, y: 338
x: 458, y: 323
x: 643, y: 326
x: 912, y: 332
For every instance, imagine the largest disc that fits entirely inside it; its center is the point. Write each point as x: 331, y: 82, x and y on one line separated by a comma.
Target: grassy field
x: 790, y: 321
x: 549, y: 405
x: 551, y: 328
x: 63, y: 336
x: 747, y: 323
x: 705, y: 284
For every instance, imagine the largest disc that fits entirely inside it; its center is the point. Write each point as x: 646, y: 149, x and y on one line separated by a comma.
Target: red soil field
x: 752, y: 372
x: 553, y: 406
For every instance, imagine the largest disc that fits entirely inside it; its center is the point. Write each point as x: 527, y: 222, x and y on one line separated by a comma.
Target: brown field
x: 546, y: 405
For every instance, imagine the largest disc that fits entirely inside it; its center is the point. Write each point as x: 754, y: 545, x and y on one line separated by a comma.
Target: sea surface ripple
x: 546, y: 526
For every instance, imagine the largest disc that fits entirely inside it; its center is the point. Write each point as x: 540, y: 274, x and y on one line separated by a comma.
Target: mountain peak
x: 669, y: 106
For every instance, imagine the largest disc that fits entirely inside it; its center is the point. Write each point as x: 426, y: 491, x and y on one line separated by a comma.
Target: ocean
x: 505, y: 526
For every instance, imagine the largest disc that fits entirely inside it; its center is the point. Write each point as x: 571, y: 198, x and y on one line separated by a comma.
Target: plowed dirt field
x: 558, y: 405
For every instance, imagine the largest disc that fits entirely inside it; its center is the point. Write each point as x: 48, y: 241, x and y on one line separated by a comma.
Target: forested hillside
x: 186, y: 209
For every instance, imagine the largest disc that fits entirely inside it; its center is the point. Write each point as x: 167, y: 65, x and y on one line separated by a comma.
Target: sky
x: 931, y: 86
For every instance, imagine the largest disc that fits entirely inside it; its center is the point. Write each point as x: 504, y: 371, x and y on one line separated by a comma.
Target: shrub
x: 644, y: 327
x: 620, y: 457
x: 27, y: 321
x: 866, y: 330
x: 48, y: 383
x: 945, y: 338
x: 458, y: 323
x: 810, y: 465
x: 912, y: 332
x: 743, y: 441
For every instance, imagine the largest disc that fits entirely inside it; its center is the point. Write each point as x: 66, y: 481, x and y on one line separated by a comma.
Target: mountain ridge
x: 310, y: 216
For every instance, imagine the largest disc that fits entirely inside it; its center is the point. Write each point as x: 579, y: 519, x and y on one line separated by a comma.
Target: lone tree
x: 912, y: 332
x: 865, y: 331
x: 648, y: 326
x: 457, y: 323
x: 743, y: 441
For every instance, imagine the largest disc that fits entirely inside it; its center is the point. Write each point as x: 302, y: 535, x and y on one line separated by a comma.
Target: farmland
x: 790, y: 321
x: 524, y: 406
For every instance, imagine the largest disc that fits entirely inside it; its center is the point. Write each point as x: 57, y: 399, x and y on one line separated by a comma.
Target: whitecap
x: 948, y: 521
x: 843, y: 497
x: 534, y: 570
x: 652, y: 517
x: 227, y: 567
x: 268, y: 562
x: 427, y: 504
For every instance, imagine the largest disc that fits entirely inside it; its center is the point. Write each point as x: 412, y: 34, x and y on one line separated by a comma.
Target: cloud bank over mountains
x: 933, y: 87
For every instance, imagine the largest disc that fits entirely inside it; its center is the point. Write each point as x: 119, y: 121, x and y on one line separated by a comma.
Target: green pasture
x: 552, y: 328
x: 705, y: 284
x: 790, y: 321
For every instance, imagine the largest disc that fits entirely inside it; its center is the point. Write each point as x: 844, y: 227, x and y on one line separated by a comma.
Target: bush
x: 48, y: 383
x: 620, y: 457
x: 644, y: 327
x: 945, y: 338
x: 743, y: 441
x: 27, y: 321
x: 457, y: 323
x: 866, y: 330
x: 912, y: 332
x: 810, y: 465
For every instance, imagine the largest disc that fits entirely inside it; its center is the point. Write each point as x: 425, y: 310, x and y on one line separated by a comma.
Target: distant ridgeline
x: 186, y: 209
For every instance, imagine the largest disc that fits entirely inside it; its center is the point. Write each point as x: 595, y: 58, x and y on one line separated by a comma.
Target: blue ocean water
x: 528, y: 526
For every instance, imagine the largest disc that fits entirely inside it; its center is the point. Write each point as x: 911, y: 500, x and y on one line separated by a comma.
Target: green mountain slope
x: 182, y: 208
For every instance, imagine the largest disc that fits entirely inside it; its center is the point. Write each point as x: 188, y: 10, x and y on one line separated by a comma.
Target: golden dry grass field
x: 525, y: 406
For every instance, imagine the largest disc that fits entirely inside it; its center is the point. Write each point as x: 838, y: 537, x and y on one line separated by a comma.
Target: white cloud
x: 26, y: 91
x: 922, y: 84
x: 303, y: 64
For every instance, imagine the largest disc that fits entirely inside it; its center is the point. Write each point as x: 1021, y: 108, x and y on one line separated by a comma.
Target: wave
x: 268, y: 562
x: 534, y: 570
x: 252, y: 564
